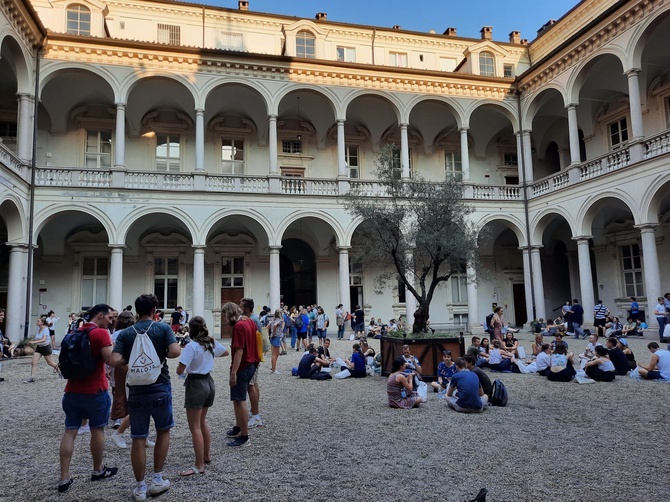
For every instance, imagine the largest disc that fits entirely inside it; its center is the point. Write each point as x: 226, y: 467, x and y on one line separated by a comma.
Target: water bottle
x: 403, y: 392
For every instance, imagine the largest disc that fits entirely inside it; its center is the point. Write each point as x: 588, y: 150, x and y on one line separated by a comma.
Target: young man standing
x: 89, y: 399
x: 577, y: 317
x: 147, y: 401
x: 243, y: 367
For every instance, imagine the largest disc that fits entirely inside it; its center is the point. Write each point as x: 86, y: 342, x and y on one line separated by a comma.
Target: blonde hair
x: 230, y: 313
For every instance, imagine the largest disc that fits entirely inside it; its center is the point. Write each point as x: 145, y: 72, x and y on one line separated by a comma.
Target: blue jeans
x: 95, y: 407
x: 294, y: 336
x: 340, y: 332
x: 662, y: 321
x: 577, y: 329
x: 146, y: 402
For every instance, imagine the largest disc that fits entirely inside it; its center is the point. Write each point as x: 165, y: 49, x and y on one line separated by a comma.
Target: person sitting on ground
x: 558, y: 338
x: 473, y: 349
x: 511, y: 344
x: 470, y: 397
x: 368, y: 352
x: 659, y: 366
x: 536, y: 348
x: 324, y: 353
x: 392, y: 326
x: 484, y: 380
x: 445, y: 370
x: 399, y: 386
x: 483, y: 357
x: 617, y: 356
x: 499, y: 359
x: 613, y: 327
x: 590, y: 350
x: 356, y: 365
x: 622, y: 343
x: 373, y: 329
x: 600, y: 368
x: 561, y: 369
x: 412, y: 362
x: 539, y: 326
x: 310, y: 364
x: 630, y: 328
x: 551, y: 328
x: 543, y: 361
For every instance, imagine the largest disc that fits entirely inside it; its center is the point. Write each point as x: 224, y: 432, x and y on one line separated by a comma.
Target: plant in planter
x: 23, y: 348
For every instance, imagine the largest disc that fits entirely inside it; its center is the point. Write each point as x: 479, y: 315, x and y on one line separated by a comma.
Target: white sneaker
x: 158, y: 488
x: 139, y: 494
x: 119, y: 440
x: 276, y: 372
x: 150, y: 443
x: 255, y: 422
x: 84, y: 429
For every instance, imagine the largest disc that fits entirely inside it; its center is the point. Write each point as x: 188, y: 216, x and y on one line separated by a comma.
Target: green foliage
x: 418, y: 336
x: 420, y: 228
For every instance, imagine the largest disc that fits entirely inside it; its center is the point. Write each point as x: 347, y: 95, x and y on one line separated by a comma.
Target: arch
x: 206, y: 228
x: 512, y: 222
x: 578, y: 76
x: 590, y: 207
x: 391, y: 99
x: 640, y: 35
x: 453, y: 105
x: 299, y: 215
x: 542, y: 219
x: 18, y: 61
x: 14, y: 217
x: 530, y: 108
x: 650, y: 203
x: 214, y: 84
x: 323, y: 91
x: 102, y: 72
x: 351, y: 228
x: 498, y: 106
x: 128, y: 84
x: 127, y: 223
x: 44, y: 217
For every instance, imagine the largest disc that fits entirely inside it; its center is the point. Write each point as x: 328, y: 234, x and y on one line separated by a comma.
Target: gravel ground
x: 338, y: 440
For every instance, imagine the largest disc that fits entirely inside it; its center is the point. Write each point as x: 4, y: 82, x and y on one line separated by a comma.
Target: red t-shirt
x: 244, y: 339
x: 97, y: 382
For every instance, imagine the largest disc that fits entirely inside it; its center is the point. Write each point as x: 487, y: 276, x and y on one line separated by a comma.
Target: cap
x: 623, y: 342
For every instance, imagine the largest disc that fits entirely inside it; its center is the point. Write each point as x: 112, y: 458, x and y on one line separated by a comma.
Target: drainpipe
x: 374, y: 35
x: 31, y: 215
x: 524, y: 191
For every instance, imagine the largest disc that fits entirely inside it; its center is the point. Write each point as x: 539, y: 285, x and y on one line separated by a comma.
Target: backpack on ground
x: 299, y: 322
x: 144, y: 365
x: 76, y: 360
x: 488, y: 327
x: 499, y: 395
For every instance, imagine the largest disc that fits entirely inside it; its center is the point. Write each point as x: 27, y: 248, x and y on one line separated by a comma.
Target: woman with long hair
x: 399, y: 386
x: 276, y: 328
x: 119, y: 406
x: 197, y: 360
x: 43, y: 347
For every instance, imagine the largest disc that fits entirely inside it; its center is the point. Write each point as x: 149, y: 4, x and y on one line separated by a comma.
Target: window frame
x: 171, y: 34
x: 459, y: 288
x: 305, y: 44
x: 165, y: 303
x: 347, y: 158
x: 80, y: 12
x: 508, y: 70
x: 452, y: 157
x: 232, y: 275
x: 169, y: 165
x: 398, y: 58
x: 348, y: 54
x: 288, y: 147
x: 98, y: 155
x: 487, y: 69
x: 634, y: 271
x: 95, y: 278
x: 236, y: 166
x: 620, y: 132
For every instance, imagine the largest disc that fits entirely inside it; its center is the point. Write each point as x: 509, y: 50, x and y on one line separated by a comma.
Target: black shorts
x: 45, y: 350
x: 599, y: 322
x: 302, y: 336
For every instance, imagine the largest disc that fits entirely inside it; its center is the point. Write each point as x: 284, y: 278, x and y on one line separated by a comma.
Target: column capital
x: 120, y: 104
x: 116, y: 247
x: 571, y: 106
x: 199, y: 248
x: 526, y: 132
x: 272, y: 116
x: 199, y: 111
x: 646, y: 227
x: 18, y: 246
x: 582, y: 238
x: 274, y: 249
x: 403, y: 125
x: 343, y: 249
x: 463, y: 129
x: 633, y: 72
x: 25, y: 95
x: 340, y: 121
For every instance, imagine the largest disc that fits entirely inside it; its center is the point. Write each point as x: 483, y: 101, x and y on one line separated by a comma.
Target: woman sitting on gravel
x: 561, y: 369
x: 511, y: 344
x: 600, y: 368
x: 536, y: 348
x: 399, y: 386
x: 499, y: 359
x: 483, y: 359
x: 623, y: 345
x: 368, y: 352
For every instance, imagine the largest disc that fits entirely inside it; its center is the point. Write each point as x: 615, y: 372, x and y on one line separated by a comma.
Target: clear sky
x: 467, y: 16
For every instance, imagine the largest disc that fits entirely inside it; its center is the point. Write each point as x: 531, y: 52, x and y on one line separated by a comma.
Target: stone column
x: 573, y: 134
x: 652, y: 274
x: 527, y: 156
x: 519, y: 158
x: 585, y: 275
x: 120, y: 137
x: 275, y: 278
x: 198, y: 307
x: 343, y: 277
x: 404, y: 151
x: 473, y: 300
x: 527, y: 284
x: 410, y: 300
x: 465, y: 154
x: 635, y: 104
x: 24, y: 143
x: 341, y: 152
x: 538, y: 284
x: 115, y: 293
x: 199, y: 140
x: 272, y: 144
x: 16, y: 292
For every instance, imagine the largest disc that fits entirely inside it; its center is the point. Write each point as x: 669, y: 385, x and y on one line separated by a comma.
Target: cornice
x: 281, y: 68
x: 23, y: 19
x: 589, y: 43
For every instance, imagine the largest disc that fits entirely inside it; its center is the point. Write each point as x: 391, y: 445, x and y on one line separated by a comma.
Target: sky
x: 467, y: 16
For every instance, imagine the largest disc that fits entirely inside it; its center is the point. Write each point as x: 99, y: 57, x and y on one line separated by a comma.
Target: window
x: 168, y: 153
x: 461, y: 319
x: 398, y: 59
x: 632, y: 270
x: 232, y: 272
x: 397, y: 162
x: 98, y: 153
x: 166, y: 274
x: 618, y: 133
x: 169, y: 34
x: 305, y: 44
x: 8, y: 129
x: 351, y: 152
x: 346, y: 54
x: 508, y: 71
x: 459, y: 289
x: 355, y: 273
x: 93, y: 281
x: 231, y: 41
x: 453, y: 167
x: 486, y: 64
x: 232, y: 156
x: 78, y: 20
x: 401, y: 291
x: 510, y: 159
x: 292, y: 147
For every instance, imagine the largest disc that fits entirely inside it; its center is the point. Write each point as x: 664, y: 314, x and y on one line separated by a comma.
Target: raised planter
x: 427, y: 350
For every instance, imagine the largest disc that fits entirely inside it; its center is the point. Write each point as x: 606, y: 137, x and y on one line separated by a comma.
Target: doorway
x: 520, y: 313
x: 229, y: 295
x: 297, y: 269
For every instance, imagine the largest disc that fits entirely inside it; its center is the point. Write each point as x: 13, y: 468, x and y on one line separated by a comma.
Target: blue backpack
x: 499, y: 395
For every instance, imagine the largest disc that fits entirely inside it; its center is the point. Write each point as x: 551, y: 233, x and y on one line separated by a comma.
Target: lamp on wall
x: 299, y: 126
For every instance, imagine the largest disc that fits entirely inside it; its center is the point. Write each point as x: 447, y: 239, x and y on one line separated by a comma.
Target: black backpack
x: 299, y: 322
x: 499, y: 394
x: 488, y: 327
x: 76, y: 361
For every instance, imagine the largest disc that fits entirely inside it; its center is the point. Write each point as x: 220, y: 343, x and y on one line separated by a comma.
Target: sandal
x: 191, y: 471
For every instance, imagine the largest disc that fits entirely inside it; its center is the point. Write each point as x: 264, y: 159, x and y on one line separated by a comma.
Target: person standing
x: 51, y: 321
x: 600, y: 313
x: 147, y: 401
x: 661, y: 319
x: 242, y: 368
x: 322, y: 322
x: 497, y: 322
x: 247, y: 308
x: 42, y: 344
x: 175, y: 320
x: 634, y: 308
x: 577, y: 317
x: 359, y: 321
x: 89, y: 399
x: 340, y: 317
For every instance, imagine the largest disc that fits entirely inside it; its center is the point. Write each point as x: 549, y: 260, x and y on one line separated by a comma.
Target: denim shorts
x: 321, y: 333
x: 150, y: 401
x: 275, y: 341
x: 239, y: 391
x: 78, y: 407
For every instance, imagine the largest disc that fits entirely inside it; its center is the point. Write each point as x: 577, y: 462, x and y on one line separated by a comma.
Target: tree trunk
x: 421, y: 317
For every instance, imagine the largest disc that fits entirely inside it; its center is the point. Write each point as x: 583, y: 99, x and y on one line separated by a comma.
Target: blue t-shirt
x: 467, y: 384
x: 445, y: 371
x: 359, y: 364
x: 305, y: 323
x: 634, y: 308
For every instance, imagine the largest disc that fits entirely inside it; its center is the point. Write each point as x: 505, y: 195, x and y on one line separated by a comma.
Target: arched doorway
x: 298, y: 273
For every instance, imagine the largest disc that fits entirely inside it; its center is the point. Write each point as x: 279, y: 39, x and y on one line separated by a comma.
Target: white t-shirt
x: 198, y: 360
x: 44, y: 332
x: 663, y: 363
x: 659, y: 310
x: 542, y: 362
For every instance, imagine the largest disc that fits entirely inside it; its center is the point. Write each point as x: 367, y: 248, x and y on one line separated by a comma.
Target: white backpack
x: 144, y: 366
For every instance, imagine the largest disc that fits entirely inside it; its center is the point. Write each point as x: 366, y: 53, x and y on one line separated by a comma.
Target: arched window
x: 305, y: 43
x: 487, y: 64
x: 78, y: 20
